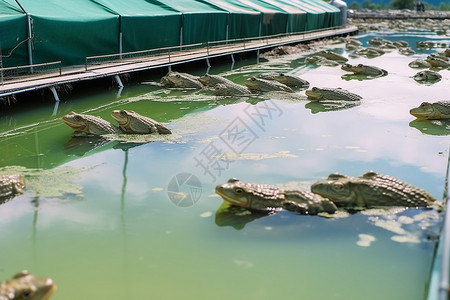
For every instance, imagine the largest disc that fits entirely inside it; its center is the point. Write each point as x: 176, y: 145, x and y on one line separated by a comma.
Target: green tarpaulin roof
x: 71, y: 30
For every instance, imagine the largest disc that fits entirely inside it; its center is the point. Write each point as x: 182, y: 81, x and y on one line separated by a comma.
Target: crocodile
x: 321, y: 61
x: 371, y: 190
x: 90, y: 124
x: 211, y: 80
x: 425, y: 44
x: 331, y: 94
x: 24, y: 285
x: 369, y: 52
x: 182, y: 80
x: 432, y: 111
x: 352, y: 44
x: 438, y: 62
x: 132, y: 122
x: 401, y: 44
x: 379, y: 42
x: 332, y: 56
x: 419, y: 64
x: 10, y: 186
x: 263, y: 85
x: 232, y: 90
x: 264, y: 197
x: 286, y: 79
x: 427, y: 76
x: 361, y: 69
x: 406, y: 51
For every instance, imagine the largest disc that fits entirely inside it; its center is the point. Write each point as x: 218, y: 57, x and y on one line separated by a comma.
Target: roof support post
x: 30, y: 46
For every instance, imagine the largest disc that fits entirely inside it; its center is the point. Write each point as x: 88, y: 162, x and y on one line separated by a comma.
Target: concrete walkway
x: 116, y: 67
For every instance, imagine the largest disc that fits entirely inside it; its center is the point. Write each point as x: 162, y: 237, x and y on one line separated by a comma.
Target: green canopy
x: 330, y: 14
x: 297, y: 18
x: 145, y: 24
x: 13, y: 34
x: 201, y: 22
x: 243, y: 22
x: 273, y: 20
x: 70, y: 30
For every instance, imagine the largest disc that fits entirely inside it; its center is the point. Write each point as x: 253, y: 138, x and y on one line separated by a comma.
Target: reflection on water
x: 126, y: 232
x: 325, y: 105
x: 237, y: 216
x: 432, y: 127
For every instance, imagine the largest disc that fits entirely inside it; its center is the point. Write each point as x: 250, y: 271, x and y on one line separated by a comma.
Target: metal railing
x: 23, y: 73
x: 207, y: 49
x: 165, y: 55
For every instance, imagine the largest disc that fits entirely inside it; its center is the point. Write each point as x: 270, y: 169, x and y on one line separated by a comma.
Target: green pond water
x: 105, y: 219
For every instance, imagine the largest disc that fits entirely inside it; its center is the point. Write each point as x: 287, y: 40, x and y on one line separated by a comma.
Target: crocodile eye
x: 338, y: 186
x: 26, y: 294
x: 238, y: 190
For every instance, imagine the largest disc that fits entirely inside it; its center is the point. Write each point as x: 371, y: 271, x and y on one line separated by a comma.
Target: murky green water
x: 99, y: 221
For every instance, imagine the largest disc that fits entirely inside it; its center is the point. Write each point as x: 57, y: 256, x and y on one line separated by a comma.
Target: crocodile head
x: 182, y: 80
x: 89, y: 124
x: 432, y: 111
x: 25, y: 286
x: 251, y: 195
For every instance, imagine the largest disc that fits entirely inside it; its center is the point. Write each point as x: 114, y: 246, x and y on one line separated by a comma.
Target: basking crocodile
x: 331, y: 94
x: 432, y: 111
x: 182, y: 80
x: 419, y: 64
x: 132, y: 122
x: 286, y: 79
x: 425, y: 44
x: 352, y: 44
x: 232, y: 90
x: 90, y: 124
x: 438, y: 62
x: 211, y: 80
x: 332, y: 56
x: 10, y: 186
x: 269, y: 197
x: 321, y: 61
x: 378, y: 42
x: 361, y: 69
x: 25, y: 286
x: 401, y: 44
x: 427, y: 76
x: 369, y: 52
x: 371, y: 190
x: 406, y: 51
x: 263, y: 85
